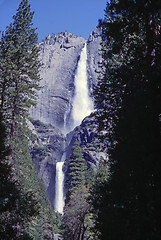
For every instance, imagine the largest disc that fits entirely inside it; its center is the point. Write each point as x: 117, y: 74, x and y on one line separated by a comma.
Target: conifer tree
x: 19, y: 67
x: 15, y: 209
x: 97, y: 194
x: 77, y: 168
x: 19, y: 80
x: 76, y: 209
x: 129, y: 103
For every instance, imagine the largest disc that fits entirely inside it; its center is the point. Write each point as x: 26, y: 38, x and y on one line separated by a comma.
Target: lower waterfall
x: 59, y: 185
x: 82, y: 107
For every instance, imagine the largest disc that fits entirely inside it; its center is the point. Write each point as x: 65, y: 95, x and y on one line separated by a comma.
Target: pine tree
x: 77, y: 169
x: 76, y: 211
x: 128, y: 98
x: 19, y: 81
x: 19, y: 67
x: 16, y: 208
x: 97, y: 195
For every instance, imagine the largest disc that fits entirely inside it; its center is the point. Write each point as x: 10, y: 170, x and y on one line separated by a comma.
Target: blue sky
x: 53, y: 16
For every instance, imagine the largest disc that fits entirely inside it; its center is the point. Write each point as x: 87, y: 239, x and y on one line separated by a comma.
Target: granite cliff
x: 59, y: 54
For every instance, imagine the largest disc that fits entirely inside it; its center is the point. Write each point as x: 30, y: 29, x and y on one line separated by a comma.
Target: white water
x: 59, y: 193
x: 82, y: 107
x: 82, y: 103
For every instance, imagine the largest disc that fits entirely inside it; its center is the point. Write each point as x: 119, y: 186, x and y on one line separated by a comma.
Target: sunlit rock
x: 59, y: 56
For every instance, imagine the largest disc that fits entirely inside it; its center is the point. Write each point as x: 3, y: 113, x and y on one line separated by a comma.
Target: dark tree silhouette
x: 129, y: 106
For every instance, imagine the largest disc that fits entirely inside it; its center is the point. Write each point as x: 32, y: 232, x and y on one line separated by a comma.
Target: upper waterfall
x: 59, y: 55
x: 82, y: 103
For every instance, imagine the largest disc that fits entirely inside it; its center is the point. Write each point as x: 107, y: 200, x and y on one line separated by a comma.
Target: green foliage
x: 44, y: 224
x: 19, y: 67
x: 97, y: 195
x: 24, y: 201
x: 77, y: 168
x: 129, y: 105
x: 16, y: 207
x: 75, y: 212
x: 77, y: 219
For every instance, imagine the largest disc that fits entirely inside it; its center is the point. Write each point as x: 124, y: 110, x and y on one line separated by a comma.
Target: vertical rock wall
x: 94, y: 57
x: 59, y: 55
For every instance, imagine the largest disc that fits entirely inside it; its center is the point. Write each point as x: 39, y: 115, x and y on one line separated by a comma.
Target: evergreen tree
x: 15, y: 209
x: 19, y: 67
x: 77, y: 169
x: 75, y: 215
x: 76, y: 212
x: 128, y: 98
x: 19, y: 81
x: 45, y: 223
x: 97, y: 194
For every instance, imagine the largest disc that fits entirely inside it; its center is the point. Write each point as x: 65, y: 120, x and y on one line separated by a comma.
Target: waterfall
x: 59, y: 183
x: 82, y: 103
x: 82, y: 107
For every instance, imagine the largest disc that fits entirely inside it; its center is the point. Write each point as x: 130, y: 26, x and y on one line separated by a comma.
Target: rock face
x: 87, y: 136
x: 94, y: 57
x: 46, y: 149
x: 59, y: 55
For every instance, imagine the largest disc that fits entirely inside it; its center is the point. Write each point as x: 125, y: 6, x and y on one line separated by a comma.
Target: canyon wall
x: 59, y: 55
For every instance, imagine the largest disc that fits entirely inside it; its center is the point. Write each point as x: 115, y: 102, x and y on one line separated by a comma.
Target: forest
x: 121, y: 200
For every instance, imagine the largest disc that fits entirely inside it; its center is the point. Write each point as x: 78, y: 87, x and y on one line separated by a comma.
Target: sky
x: 79, y: 17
